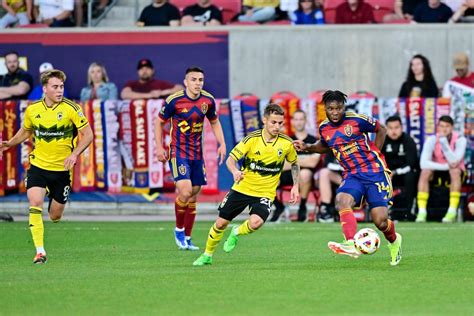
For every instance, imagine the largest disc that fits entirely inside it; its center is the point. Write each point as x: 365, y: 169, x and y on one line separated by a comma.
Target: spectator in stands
x: 18, y: 11
x: 307, y: 162
x: 17, y: 83
x: 354, y: 12
x: 461, y: 66
x: 401, y: 156
x: 463, y: 12
x: 146, y: 87
x: 328, y: 176
x: 403, y: 9
x: 159, y: 13
x: 420, y: 81
x: 37, y: 92
x: 98, y: 85
x: 309, y: 12
x: 202, y: 13
x: 442, y: 155
x: 259, y: 11
x: 432, y: 11
x: 54, y: 13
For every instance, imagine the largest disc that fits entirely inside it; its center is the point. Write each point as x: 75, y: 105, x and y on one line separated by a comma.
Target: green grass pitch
x: 285, y: 269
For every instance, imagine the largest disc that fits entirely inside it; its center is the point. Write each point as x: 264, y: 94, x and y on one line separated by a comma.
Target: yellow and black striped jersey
x: 262, y: 163
x: 54, y: 132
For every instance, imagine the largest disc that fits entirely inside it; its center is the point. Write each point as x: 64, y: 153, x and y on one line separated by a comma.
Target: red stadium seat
x: 330, y: 10
x: 317, y: 95
x: 229, y: 7
x: 246, y: 96
x: 283, y: 95
x: 361, y: 95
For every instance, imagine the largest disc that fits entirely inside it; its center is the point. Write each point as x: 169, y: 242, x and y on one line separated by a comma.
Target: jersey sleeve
x: 367, y: 124
x: 291, y: 155
x: 211, y: 113
x: 321, y: 139
x: 79, y: 119
x: 27, y: 124
x: 240, y: 150
x: 167, y: 111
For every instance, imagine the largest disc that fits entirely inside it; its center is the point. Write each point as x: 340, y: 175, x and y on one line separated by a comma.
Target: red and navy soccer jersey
x: 187, y: 122
x: 351, y: 145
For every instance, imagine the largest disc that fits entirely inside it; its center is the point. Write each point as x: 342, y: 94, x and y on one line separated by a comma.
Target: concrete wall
x: 264, y: 60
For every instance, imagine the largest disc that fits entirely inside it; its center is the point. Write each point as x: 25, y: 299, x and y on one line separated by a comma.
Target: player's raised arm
x: 380, y: 135
x: 318, y: 147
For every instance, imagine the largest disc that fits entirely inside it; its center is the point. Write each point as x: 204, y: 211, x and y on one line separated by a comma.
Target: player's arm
x: 231, y: 164
x: 217, y: 130
x: 84, y: 141
x: 426, y: 161
x: 319, y: 147
x: 160, y: 150
x: 380, y: 133
x: 19, y: 137
x: 453, y: 157
x: 295, y: 190
x: 309, y: 161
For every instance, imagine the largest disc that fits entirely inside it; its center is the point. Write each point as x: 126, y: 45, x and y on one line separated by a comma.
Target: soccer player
x: 187, y: 109
x: 365, y: 171
x: 263, y: 154
x: 54, y: 122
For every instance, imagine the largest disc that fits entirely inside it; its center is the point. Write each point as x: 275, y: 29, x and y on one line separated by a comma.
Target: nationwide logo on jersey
x: 182, y: 169
x: 348, y: 130
x: 60, y: 116
x: 204, y: 108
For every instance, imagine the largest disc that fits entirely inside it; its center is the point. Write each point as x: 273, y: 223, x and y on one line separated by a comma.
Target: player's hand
x: 161, y: 154
x: 300, y: 145
x: 70, y: 161
x: 221, y: 153
x: 4, y: 145
x: 294, y: 195
x: 238, y: 175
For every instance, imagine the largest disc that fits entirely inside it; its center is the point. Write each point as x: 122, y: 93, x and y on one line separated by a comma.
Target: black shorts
x: 58, y: 183
x: 235, y: 202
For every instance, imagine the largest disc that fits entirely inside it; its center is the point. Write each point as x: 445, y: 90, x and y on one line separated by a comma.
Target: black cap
x: 145, y: 63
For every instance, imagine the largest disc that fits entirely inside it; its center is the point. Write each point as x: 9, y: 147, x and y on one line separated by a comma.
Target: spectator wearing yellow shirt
x: 18, y: 11
x: 259, y: 11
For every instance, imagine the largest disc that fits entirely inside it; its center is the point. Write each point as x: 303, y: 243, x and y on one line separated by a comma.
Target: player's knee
x: 185, y: 195
x: 382, y: 224
x: 221, y: 225
x: 455, y: 173
x: 55, y: 218
x: 425, y: 175
x: 343, y: 202
x: 255, y: 223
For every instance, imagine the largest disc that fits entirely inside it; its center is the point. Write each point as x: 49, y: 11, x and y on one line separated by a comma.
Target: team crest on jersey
x: 182, y: 169
x: 60, y: 116
x: 280, y: 152
x: 204, y: 108
x: 348, y: 130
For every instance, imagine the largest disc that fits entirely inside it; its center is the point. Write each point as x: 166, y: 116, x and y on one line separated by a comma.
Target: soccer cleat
x: 180, y: 239
x: 345, y: 248
x: 396, y: 250
x: 203, y: 260
x: 40, y: 258
x: 421, y: 218
x: 190, y: 245
x: 449, y: 218
x: 231, y: 241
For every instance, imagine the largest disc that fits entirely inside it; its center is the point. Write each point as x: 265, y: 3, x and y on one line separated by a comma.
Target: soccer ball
x: 367, y: 241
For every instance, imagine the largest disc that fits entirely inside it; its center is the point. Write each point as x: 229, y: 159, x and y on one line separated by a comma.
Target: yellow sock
x: 244, y: 228
x: 454, y: 199
x: 215, y: 236
x: 36, y: 226
x: 422, y: 198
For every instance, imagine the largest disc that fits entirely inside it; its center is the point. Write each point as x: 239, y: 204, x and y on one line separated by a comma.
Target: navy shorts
x: 184, y: 169
x: 375, y: 188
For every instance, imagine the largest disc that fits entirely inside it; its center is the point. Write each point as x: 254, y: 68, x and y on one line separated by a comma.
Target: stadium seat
x: 229, y: 7
x: 330, y: 10
x: 362, y: 94
x: 381, y: 8
x: 283, y: 95
x: 246, y: 96
x: 317, y: 95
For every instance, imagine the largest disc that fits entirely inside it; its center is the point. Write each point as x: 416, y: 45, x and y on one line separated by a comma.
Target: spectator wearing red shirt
x: 147, y: 87
x: 461, y: 65
x: 355, y: 12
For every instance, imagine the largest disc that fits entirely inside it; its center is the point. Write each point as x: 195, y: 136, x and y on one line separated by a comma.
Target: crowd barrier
x: 122, y: 157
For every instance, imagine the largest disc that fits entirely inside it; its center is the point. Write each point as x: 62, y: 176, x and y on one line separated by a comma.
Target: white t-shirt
x: 49, y: 9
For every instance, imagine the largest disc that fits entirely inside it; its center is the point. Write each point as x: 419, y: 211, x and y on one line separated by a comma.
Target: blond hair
x: 53, y: 73
x: 105, y: 77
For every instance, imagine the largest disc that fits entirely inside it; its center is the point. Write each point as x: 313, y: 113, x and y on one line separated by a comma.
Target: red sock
x: 189, y: 219
x: 389, y: 233
x: 348, y: 223
x: 180, y: 212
